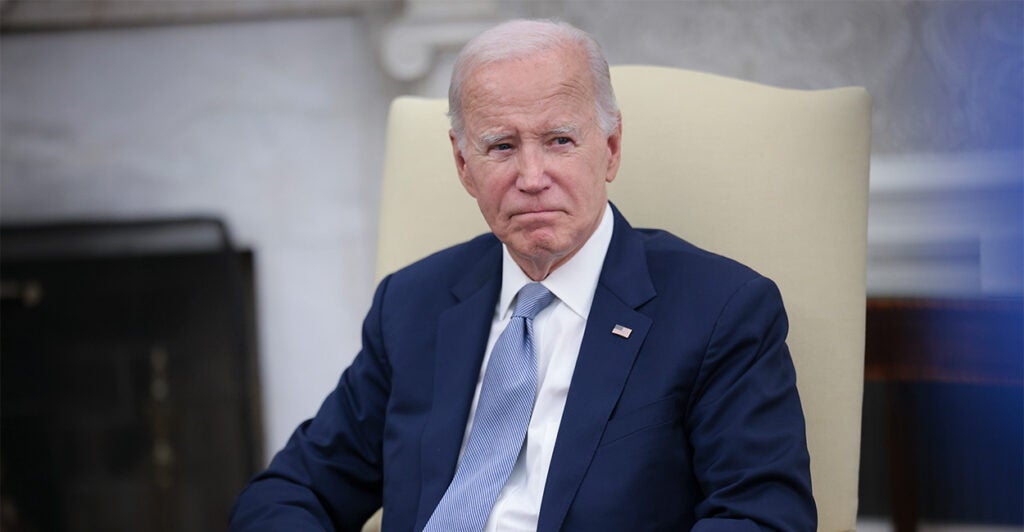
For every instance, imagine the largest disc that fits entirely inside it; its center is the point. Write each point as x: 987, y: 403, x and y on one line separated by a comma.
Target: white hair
x: 517, y: 39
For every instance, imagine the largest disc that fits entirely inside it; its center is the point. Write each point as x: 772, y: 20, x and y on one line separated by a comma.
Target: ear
x: 460, y: 165
x: 614, y: 151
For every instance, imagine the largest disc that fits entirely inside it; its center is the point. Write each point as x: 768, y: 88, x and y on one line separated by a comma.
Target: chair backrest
x: 775, y: 178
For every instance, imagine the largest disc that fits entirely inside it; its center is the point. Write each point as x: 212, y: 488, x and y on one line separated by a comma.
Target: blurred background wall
x: 269, y: 114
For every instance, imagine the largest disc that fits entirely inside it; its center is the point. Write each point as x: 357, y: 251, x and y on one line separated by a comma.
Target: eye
x: 562, y: 140
x: 503, y: 146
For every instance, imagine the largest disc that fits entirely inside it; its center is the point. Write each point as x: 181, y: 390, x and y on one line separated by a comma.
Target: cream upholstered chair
x: 775, y: 178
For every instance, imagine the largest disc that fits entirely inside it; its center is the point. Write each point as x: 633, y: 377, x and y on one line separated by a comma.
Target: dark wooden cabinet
x: 129, y: 395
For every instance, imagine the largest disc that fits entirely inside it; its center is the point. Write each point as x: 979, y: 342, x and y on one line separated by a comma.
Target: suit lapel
x: 461, y: 340
x: 604, y: 363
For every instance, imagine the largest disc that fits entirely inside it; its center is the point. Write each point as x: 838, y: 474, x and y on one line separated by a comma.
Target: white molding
x: 86, y: 14
x: 410, y: 44
x: 409, y: 48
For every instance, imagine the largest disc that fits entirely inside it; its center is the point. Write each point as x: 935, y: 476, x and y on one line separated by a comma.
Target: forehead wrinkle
x: 501, y: 111
x: 491, y: 102
x: 489, y: 87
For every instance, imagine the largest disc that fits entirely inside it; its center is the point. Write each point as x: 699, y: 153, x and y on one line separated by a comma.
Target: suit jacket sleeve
x: 328, y: 476
x: 746, y: 424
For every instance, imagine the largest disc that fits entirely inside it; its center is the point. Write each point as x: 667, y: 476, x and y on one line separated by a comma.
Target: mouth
x: 536, y: 220
x: 534, y: 217
x: 535, y: 212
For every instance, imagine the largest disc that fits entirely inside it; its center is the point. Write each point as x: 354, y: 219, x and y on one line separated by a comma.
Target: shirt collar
x: 573, y: 283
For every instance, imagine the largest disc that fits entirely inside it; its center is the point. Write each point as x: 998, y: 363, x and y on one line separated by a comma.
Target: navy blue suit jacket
x: 693, y: 422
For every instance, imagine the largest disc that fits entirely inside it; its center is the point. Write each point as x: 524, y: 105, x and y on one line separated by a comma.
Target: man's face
x: 534, y: 155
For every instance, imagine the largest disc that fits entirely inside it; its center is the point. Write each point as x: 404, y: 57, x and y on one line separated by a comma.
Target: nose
x: 533, y: 176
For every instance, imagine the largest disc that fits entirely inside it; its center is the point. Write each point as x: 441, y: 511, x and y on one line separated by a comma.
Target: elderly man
x: 566, y: 372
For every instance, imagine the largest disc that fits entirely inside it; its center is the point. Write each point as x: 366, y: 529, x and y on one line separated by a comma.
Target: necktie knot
x: 533, y: 298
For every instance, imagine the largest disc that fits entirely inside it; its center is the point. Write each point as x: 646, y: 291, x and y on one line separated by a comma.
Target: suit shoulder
x: 444, y: 268
x: 697, y: 283
x: 669, y: 256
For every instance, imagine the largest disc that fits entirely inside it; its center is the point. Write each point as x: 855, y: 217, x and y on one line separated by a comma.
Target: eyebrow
x: 562, y: 130
x: 495, y: 138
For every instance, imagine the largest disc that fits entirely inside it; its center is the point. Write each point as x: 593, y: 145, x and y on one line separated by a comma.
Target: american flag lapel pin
x: 621, y: 330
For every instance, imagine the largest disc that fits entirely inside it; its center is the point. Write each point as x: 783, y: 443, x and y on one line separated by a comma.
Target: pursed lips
x: 534, y: 213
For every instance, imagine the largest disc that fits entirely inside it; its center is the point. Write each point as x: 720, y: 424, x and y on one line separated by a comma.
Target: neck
x: 538, y: 270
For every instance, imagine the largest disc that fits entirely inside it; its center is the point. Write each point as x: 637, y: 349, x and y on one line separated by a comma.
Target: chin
x: 539, y: 249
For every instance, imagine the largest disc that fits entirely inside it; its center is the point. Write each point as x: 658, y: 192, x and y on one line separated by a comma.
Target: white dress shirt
x: 558, y: 333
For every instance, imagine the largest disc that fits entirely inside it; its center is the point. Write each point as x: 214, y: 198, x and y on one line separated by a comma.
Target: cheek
x: 586, y: 183
x: 491, y: 183
x: 490, y: 205
x: 488, y: 200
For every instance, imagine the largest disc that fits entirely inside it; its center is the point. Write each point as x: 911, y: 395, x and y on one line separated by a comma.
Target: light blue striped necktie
x: 499, y: 426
